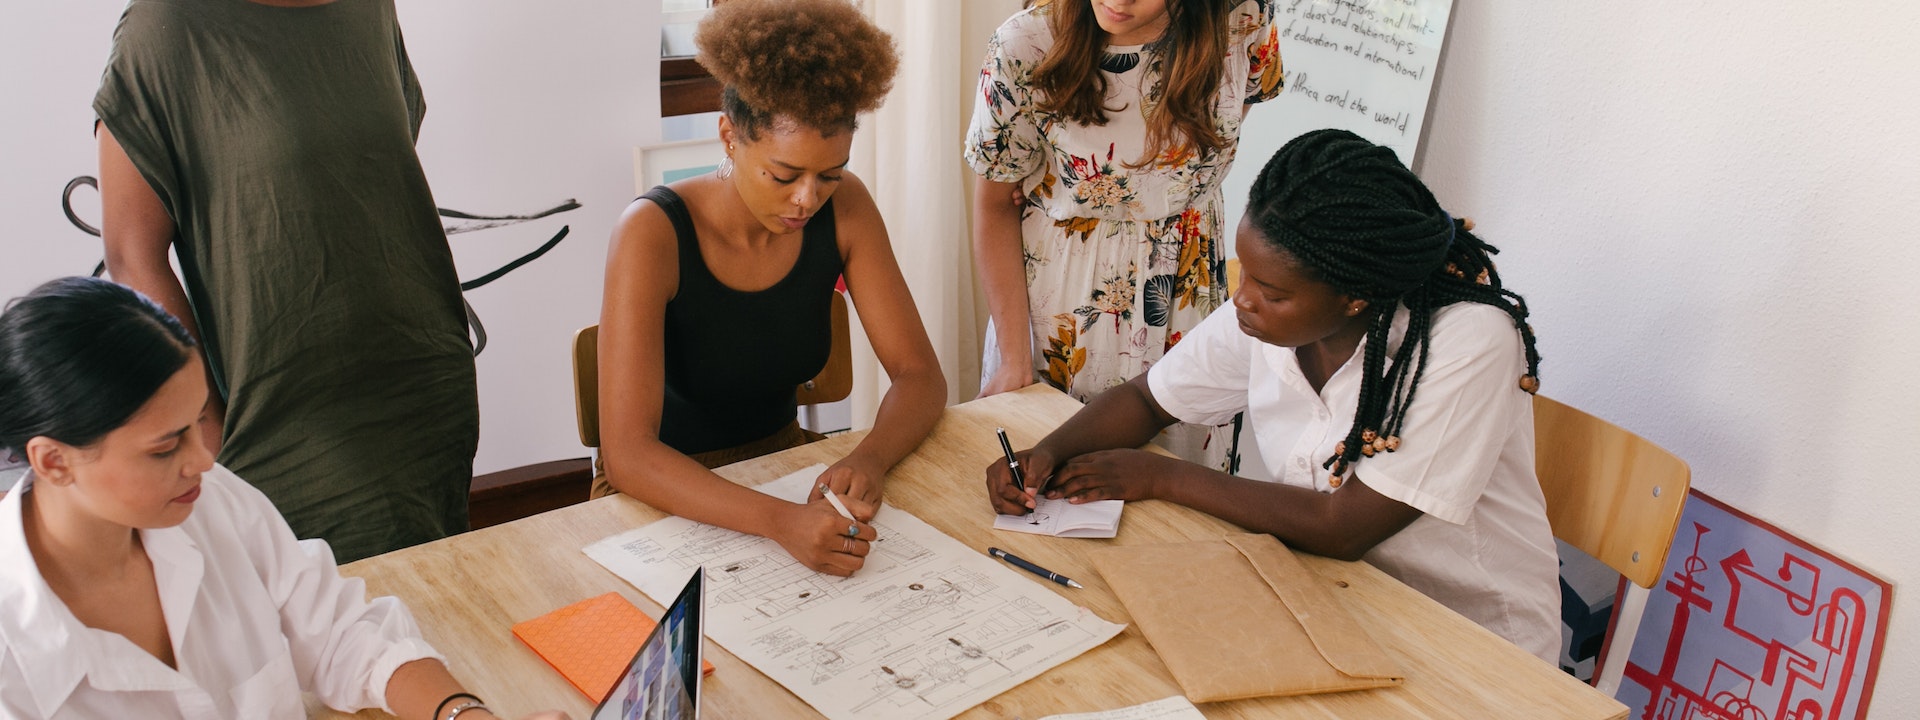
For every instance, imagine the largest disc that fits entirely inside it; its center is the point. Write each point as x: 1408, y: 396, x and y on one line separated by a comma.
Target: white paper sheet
x: 928, y: 628
x: 1173, y: 708
x: 1059, y: 518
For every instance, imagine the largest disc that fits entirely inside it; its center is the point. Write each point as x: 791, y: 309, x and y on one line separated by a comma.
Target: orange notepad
x: 590, y: 642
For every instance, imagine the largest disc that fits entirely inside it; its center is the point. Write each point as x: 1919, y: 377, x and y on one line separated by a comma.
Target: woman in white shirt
x: 1387, y: 376
x: 138, y: 578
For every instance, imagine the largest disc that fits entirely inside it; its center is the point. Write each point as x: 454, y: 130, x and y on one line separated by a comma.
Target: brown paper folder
x: 1240, y: 617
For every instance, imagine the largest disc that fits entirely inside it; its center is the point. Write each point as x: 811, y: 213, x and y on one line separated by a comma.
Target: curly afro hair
x: 818, y: 63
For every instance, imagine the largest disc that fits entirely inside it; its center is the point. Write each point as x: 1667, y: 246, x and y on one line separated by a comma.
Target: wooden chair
x: 833, y: 384
x: 1615, y: 496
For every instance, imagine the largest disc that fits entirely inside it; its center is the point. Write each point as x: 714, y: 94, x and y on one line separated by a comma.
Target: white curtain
x: 909, y: 154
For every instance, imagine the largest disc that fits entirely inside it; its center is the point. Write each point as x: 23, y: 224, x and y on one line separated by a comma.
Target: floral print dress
x: 1120, y: 260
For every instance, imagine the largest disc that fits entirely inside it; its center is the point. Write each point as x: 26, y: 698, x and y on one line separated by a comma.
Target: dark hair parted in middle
x: 78, y: 357
x: 1347, y: 210
x: 1193, y: 54
x: 819, y: 63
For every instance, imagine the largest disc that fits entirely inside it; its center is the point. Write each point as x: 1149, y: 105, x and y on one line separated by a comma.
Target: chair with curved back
x: 1615, y: 496
x: 833, y: 384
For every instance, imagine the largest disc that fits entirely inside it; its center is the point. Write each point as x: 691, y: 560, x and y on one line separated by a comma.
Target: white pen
x: 834, y: 499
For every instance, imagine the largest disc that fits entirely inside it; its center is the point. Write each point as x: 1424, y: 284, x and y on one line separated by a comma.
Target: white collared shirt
x: 255, y: 618
x: 1482, y: 545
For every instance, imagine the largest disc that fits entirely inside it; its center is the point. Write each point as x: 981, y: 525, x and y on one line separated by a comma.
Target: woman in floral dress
x: 1113, y: 124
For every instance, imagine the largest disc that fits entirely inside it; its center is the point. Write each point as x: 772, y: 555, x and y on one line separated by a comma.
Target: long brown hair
x: 1192, y: 53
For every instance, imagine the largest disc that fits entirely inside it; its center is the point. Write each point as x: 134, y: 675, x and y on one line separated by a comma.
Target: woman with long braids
x: 1114, y: 123
x: 1388, y: 376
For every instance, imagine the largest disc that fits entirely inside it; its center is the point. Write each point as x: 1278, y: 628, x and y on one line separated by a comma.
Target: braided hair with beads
x: 1365, y: 224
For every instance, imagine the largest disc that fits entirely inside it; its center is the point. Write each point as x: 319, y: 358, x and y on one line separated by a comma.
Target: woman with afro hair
x: 1388, y: 375
x: 718, y: 290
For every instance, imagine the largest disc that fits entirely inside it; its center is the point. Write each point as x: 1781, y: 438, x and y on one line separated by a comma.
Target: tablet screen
x: 662, y: 681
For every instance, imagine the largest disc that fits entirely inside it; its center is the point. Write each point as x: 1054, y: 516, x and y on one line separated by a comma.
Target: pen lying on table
x: 1032, y: 568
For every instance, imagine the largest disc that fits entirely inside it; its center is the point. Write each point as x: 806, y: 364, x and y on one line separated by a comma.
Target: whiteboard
x: 1360, y: 65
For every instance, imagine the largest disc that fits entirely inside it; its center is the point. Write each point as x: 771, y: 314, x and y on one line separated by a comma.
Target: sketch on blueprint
x: 926, y: 629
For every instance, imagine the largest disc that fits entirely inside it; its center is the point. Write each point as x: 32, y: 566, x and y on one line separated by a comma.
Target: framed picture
x: 667, y: 162
x: 1751, y: 622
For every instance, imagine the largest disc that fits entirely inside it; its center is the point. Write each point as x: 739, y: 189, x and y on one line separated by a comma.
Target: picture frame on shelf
x: 666, y: 163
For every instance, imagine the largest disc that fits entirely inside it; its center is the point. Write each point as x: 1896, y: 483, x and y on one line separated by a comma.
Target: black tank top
x: 733, y: 358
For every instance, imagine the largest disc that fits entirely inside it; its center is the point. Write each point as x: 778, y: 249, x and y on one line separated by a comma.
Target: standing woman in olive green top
x: 269, y: 143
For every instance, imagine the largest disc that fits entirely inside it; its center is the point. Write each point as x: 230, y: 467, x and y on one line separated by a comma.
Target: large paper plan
x: 928, y: 628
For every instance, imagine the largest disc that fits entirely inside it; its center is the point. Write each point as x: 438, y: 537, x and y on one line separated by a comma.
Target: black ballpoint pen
x: 1012, y: 463
x: 1032, y: 568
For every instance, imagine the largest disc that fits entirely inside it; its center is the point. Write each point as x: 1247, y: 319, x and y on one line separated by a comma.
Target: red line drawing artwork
x: 1750, y: 623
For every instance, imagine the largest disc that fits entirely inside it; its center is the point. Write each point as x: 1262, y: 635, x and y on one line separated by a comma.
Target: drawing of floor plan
x: 926, y: 629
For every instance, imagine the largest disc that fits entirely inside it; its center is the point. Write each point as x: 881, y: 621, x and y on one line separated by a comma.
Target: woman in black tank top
x: 719, y: 287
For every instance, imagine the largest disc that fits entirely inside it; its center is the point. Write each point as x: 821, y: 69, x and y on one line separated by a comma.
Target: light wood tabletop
x: 467, y: 592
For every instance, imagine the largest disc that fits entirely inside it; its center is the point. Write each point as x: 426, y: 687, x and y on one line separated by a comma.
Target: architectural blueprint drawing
x: 928, y: 628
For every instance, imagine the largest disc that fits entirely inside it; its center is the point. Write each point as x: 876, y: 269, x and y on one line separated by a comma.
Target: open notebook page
x: 1059, y: 518
x: 1173, y: 708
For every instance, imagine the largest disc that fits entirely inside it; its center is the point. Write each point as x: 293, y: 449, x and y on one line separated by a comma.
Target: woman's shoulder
x: 221, y: 489
x: 647, y: 219
x: 1026, y: 35
x: 854, y: 208
x: 151, y: 33
x: 1473, y: 328
x: 852, y: 193
x: 1250, y: 16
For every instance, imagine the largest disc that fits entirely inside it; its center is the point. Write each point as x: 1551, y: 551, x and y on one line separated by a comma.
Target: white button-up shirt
x: 1482, y: 545
x: 255, y: 618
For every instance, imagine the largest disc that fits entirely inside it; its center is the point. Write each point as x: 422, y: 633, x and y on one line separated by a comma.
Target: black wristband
x: 451, y: 698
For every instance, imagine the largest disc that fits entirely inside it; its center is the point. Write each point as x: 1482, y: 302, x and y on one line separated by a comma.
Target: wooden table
x: 467, y: 591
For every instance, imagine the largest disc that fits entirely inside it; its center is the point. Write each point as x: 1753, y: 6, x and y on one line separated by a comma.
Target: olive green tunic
x: 281, y: 142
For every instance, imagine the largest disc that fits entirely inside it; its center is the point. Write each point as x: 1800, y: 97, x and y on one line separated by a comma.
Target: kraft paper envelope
x: 1240, y: 617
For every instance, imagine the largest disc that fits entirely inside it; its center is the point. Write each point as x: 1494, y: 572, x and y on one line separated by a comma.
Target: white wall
x: 1710, y: 207
x: 51, y: 55
x: 528, y: 104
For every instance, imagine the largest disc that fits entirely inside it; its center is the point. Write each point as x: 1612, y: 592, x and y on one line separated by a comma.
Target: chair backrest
x: 835, y: 381
x: 1610, y: 492
x: 586, y: 384
x: 1233, y: 277
x: 833, y: 384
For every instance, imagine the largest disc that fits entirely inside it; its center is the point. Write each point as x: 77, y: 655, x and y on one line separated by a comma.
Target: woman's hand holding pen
x: 858, y: 485
x: 1007, y: 496
x: 818, y: 536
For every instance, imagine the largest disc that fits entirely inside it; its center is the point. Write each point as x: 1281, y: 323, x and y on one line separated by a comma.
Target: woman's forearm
x: 906, y: 415
x: 1000, y: 256
x: 671, y: 482
x: 1122, y: 417
x: 1343, y: 525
